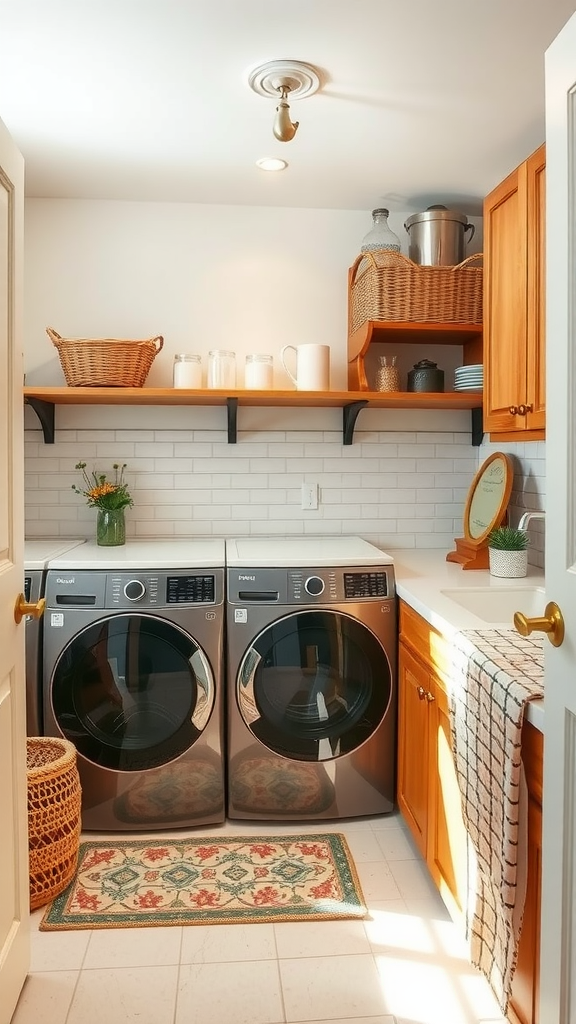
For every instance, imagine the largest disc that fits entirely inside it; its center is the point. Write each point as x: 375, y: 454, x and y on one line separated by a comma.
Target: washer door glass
x: 132, y: 692
x: 314, y: 685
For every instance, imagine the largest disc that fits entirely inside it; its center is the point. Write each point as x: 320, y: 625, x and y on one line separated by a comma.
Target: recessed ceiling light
x: 272, y: 163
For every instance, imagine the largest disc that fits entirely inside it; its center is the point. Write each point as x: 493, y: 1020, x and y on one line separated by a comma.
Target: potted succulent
x: 508, y: 551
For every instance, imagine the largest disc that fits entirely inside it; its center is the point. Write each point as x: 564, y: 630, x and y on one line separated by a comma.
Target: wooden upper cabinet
x: 514, y: 303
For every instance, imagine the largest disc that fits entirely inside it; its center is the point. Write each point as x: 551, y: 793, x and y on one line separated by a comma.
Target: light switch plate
x: 309, y: 496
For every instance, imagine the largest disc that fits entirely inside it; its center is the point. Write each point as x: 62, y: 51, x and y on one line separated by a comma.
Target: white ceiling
x: 421, y: 101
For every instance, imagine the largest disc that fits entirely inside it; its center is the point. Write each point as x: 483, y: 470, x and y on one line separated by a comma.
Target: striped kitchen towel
x: 494, y: 674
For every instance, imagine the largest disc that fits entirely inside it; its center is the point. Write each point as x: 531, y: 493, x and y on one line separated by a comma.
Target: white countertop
x: 161, y: 553
x: 292, y: 552
x: 421, y: 578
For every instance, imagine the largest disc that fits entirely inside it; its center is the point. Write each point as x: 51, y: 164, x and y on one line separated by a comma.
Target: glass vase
x: 110, y: 527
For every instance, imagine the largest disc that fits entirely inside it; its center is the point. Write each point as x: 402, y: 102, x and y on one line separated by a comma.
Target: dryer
x: 311, y: 678
x: 133, y: 676
x: 37, y: 553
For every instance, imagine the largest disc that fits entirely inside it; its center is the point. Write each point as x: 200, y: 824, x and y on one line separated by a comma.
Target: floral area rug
x: 243, y: 879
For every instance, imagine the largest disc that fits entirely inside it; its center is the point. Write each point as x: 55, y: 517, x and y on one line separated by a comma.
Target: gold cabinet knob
x: 430, y: 696
x: 551, y: 623
x: 523, y: 409
x: 513, y: 410
x: 421, y: 692
x: 22, y: 608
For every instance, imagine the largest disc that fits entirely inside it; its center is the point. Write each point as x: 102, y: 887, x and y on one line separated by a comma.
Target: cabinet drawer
x: 425, y: 641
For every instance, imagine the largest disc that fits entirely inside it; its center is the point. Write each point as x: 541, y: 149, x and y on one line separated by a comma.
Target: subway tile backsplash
x: 395, y: 489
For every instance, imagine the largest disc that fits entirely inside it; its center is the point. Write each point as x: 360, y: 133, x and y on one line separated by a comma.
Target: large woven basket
x: 54, y: 821
x: 385, y: 285
x: 105, y: 362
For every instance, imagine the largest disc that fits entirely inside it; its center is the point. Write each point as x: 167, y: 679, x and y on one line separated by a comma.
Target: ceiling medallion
x: 280, y: 79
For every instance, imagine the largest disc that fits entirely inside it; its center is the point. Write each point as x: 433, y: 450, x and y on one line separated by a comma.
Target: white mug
x: 312, y: 367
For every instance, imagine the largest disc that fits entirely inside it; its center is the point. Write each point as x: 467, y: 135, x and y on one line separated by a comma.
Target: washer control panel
x: 310, y: 586
x: 133, y: 589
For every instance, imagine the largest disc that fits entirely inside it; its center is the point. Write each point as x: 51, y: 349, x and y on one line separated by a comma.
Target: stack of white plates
x: 469, y: 378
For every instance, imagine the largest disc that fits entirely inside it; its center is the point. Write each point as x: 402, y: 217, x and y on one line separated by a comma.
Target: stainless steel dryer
x: 133, y: 676
x: 37, y: 554
x: 311, y: 678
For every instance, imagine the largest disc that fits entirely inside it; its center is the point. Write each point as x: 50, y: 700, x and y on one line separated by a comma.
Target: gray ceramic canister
x: 425, y: 376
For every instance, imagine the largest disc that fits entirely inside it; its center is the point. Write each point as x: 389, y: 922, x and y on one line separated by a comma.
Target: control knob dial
x: 134, y: 590
x: 314, y: 586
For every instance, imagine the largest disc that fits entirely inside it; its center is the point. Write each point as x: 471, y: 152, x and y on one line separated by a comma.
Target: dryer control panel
x: 132, y: 589
x: 309, y: 586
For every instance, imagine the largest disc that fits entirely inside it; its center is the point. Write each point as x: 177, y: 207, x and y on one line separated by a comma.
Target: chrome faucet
x: 527, y: 516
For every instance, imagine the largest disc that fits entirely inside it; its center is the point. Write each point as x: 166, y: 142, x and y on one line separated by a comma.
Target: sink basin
x: 498, y: 605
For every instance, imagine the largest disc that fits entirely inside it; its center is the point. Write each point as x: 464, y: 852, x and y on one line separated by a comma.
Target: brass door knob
x: 551, y: 623
x: 22, y: 608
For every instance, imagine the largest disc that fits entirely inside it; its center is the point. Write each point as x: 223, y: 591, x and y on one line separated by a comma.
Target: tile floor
x: 404, y: 964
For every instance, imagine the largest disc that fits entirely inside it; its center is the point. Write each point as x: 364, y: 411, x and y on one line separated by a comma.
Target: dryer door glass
x: 314, y: 685
x: 132, y: 692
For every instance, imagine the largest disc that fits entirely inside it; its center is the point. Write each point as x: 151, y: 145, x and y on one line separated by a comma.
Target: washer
x: 311, y: 678
x: 37, y: 554
x: 133, y: 676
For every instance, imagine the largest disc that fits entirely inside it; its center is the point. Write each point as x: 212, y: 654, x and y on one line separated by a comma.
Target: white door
x: 558, y: 961
x: 14, y: 896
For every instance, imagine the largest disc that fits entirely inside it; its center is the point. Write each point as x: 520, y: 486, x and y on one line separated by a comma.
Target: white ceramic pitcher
x: 312, y: 367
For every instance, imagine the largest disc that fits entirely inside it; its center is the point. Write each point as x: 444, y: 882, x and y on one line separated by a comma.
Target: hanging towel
x: 494, y: 674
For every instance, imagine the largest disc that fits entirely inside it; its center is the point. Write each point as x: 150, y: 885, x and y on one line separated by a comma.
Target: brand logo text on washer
x: 60, y: 579
x: 247, y: 578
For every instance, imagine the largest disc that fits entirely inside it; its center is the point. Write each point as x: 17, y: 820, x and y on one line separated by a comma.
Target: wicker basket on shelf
x: 105, y: 362
x: 387, y: 286
x: 54, y: 821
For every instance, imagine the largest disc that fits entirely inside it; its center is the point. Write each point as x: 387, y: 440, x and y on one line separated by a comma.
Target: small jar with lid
x: 187, y: 372
x: 221, y: 368
x: 259, y: 372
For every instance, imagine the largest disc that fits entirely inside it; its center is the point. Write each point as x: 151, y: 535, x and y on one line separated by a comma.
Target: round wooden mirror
x: 485, y: 509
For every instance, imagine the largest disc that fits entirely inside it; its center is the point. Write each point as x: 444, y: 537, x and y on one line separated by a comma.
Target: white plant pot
x: 510, y: 564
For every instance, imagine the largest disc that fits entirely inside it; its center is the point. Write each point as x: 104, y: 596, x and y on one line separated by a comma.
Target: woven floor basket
x: 105, y: 362
x: 54, y: 821
x: 385, y: 285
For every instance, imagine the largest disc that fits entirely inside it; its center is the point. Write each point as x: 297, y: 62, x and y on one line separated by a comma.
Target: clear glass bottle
x: 221, y: 368
x: 187, y: 372
x: 380, y: 235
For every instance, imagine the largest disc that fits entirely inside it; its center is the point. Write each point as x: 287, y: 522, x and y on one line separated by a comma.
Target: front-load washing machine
x: 311, y: 678
x: 37, y: 553
x: 133, y: 676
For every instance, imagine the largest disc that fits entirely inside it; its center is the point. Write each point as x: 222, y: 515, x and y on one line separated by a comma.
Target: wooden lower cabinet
x: 429, y: 798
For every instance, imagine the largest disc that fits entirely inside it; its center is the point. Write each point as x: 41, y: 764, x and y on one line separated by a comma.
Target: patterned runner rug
x: 241, y: 879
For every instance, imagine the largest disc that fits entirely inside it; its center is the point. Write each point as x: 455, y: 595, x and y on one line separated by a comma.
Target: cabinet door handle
x: 421, y: 692
x: 523, y: 409
x: 513, y: 410
x: 430, y: 696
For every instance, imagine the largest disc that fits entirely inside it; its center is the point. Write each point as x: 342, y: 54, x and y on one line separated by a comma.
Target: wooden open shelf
x: 469, y: 336
x: 44, y: 399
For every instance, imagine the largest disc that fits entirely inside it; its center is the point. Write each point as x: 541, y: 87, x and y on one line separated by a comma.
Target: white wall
x: 248, y: 279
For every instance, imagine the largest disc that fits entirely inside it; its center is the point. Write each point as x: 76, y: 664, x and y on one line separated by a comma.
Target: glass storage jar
x: 187, y: 372
x: 221, y: 368
x: 258, y: 373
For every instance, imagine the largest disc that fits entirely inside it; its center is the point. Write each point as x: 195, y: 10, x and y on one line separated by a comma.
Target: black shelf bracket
x: 477, y: 429
x: 349, y: 417
x: 232, y: 407
x: 45, y: 413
